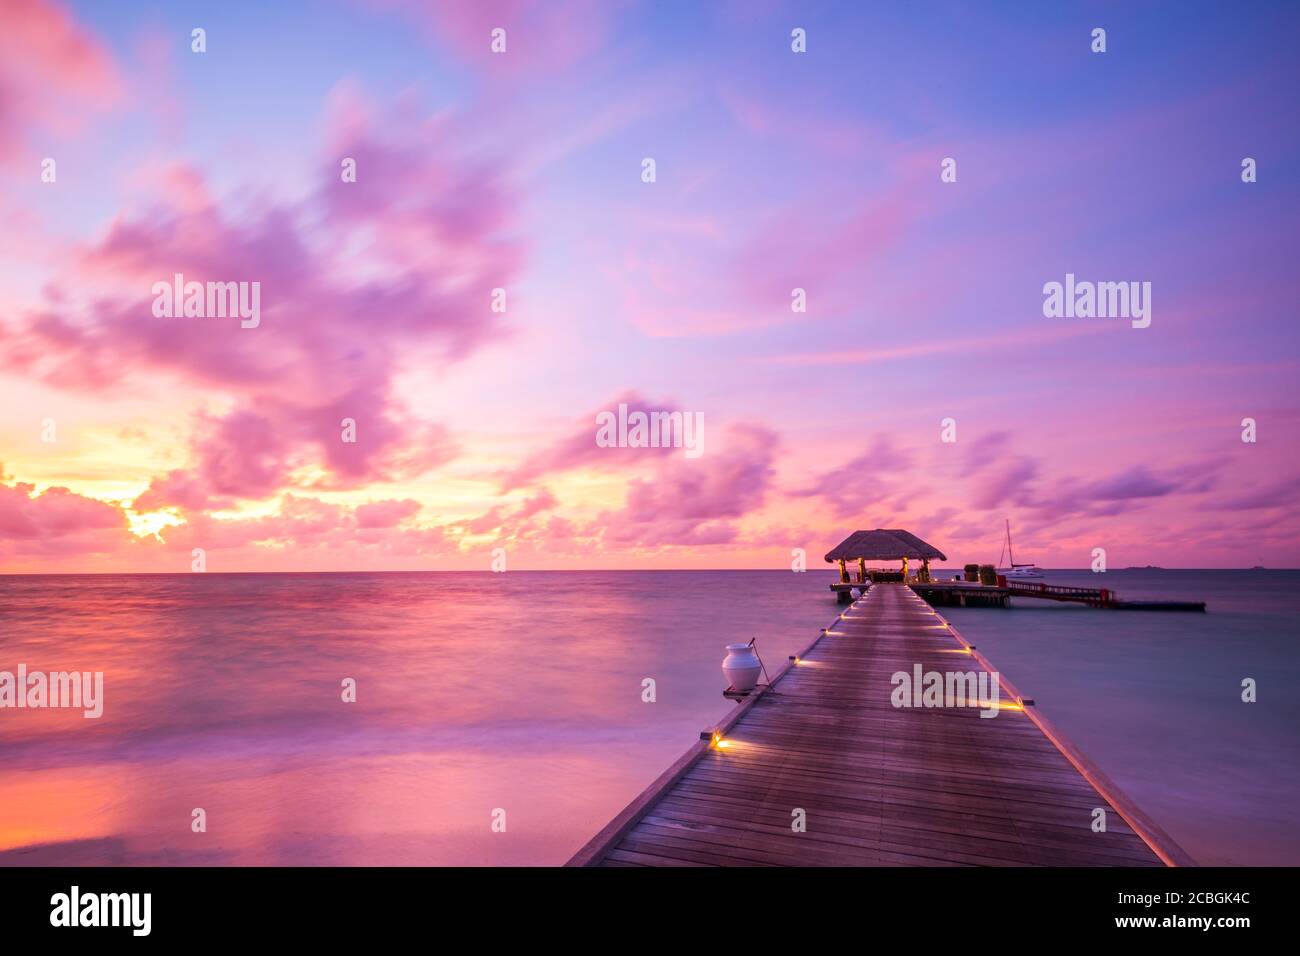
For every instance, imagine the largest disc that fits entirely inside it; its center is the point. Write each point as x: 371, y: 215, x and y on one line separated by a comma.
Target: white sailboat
x: 1015, y: 571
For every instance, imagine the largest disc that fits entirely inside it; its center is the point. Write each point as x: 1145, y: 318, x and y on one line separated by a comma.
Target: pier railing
x: 1097, y: 597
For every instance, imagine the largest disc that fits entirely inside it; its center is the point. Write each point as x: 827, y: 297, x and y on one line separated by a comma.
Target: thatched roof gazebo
x: 883, y: 544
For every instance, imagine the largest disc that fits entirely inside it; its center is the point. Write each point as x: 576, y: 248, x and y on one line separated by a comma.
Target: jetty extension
x: 895, y: 544
x: 878, y: 785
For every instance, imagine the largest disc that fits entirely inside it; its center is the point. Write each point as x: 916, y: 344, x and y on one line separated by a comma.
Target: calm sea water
x: 522, y: 692
x: 1154, y: 698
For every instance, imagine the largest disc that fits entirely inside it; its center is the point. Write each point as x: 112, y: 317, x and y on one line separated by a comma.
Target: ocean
x: 503, y: 719
x: 1155, y: 698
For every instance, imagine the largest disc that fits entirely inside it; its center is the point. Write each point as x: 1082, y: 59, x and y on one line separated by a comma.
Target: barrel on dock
x: 961, y: 594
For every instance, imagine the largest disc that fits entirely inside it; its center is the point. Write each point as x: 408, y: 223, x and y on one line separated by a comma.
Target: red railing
x: 1062, y: 592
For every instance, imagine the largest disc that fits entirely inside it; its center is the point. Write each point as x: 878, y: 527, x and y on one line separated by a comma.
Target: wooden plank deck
x: 879, y: 785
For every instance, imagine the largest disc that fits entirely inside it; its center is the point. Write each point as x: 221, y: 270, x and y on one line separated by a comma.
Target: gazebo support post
x: 881, y: 545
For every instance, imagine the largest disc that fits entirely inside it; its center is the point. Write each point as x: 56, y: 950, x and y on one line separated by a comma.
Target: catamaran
x: 1014, y: 570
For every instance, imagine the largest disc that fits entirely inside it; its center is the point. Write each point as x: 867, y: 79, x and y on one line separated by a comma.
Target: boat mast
x: 1010, y: 554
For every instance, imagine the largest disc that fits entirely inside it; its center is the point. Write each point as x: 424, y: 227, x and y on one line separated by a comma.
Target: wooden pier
x: 1095, y: 597
x: 961, y: 594
x: 878, y: 785
x: 965, y: 594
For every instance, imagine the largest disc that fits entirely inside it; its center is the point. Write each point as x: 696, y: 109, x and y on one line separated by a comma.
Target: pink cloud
x: 542, y: 36
x: 579, y: 449
x: 517, y: 524
x: 60, y: 526
x: 668, y: 294
x: 335, y: 328
x: 309, y: 528
x: 696, y: 502
x: 1272, y: 493
x: 386, y: 514
x: 52, y: 71
x: 885, y: 483
x: 1003, y: 481
x: 863, y: 481
x: 1120, y: 492
x: 182, y: 489
x: 57, y: 522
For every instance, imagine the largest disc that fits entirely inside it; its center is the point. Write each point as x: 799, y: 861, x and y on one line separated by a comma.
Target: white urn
x: 741, y: 667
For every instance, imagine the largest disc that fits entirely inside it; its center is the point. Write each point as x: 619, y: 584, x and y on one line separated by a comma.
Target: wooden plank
x: 598, y: 845
x: 1113, y: 847
x: 879, y: 785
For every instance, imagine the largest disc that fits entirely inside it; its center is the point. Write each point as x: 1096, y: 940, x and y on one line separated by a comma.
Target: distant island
x: 1145, y: 567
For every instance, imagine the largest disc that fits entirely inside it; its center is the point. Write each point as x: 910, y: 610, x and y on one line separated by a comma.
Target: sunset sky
x: 523, y: 171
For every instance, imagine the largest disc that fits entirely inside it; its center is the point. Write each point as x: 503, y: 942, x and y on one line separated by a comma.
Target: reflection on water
x: 519, y: 691
x: 522, y: 691
x: 1155, y: 699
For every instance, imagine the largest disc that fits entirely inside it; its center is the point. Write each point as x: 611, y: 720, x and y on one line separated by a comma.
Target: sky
x: 129, y: 439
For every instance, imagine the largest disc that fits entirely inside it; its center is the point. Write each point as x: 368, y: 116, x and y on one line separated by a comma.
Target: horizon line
x: 829, y: 570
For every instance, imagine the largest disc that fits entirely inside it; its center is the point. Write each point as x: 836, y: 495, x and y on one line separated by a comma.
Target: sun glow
x: 151, y: 522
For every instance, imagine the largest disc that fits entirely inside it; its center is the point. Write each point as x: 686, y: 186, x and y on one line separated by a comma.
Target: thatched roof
x: 884, y: 544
